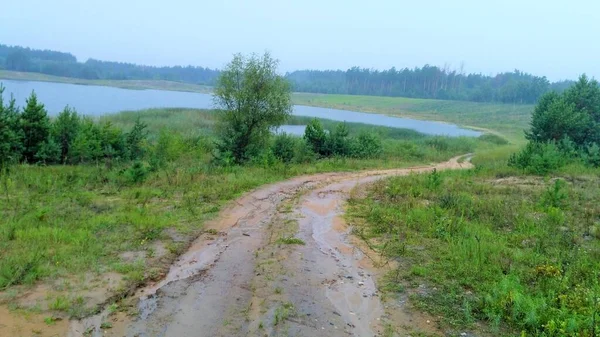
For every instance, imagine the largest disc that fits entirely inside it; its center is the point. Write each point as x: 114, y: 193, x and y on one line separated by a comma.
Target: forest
x: 65, y: 64
x: 514, y: 87
x: 428, y: 82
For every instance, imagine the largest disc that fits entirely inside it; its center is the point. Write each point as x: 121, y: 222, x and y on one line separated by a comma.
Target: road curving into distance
x: 279, y: 261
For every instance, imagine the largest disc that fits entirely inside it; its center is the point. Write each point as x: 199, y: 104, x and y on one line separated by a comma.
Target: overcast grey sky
x: 559, y: 39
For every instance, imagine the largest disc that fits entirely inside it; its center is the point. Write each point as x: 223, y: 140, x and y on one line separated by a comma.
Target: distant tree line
x: 66, y: 65
x: 427, y: 82
x: 424, y: 82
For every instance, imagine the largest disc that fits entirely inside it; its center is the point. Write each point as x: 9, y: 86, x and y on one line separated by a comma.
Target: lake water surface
x: 99, y: 100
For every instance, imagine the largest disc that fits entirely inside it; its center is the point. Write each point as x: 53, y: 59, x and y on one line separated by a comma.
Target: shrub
x: 438, y: 143
x: 135, y: 139
x: 64, y: 130
x: 137, y: 172
x: 339, y: 142
x: 303, y: 153
x: 367, y: 145
x: 492, y: 138
x: 316, y: 137
x: 284, y: 147
x: 48, y: 152
x: 538, y: 158
x: 36, y: 127
x: 591, y: 155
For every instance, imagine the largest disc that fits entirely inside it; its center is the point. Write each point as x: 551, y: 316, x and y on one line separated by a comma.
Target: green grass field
x: 65, y: 222
x: 518, y: 253
x: 124, y: 84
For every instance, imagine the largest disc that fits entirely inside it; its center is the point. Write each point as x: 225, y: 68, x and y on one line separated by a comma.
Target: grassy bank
x: 66, y: 222
x: 491, y: 249
x: 124, y: 84
x: 507, y: 119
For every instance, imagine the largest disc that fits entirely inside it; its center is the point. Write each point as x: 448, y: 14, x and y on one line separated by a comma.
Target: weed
x: 283, y: 312
x: 50, y: 320
x: 290, y: 241
x: 60, y: 303
x: 106, y: 325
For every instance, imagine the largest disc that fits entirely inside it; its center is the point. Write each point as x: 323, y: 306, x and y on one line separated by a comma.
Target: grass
x: 65, y: 221
x: 518, y: 253
x: 507, y: 119
x: 283, y: 312
x: 290, y: 241
x: 124, y: 84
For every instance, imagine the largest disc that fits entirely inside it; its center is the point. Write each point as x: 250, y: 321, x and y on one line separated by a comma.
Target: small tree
x: 135, y: 139
x: 36, y: 127
x: 284, y: 147
x: 252, y: 99
x: 64, y: 130
x: 87, y: 145
x: 316, y: 137
x: 554, y: 119
x: 367, y: 145
x: 339, y: 143
x: 585, y: 95
x: 10, y: 133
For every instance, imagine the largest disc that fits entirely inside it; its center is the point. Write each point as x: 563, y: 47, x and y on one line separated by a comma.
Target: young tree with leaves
x: 252, y: 99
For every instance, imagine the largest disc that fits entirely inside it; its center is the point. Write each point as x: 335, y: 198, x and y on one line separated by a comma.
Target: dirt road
x: 279, y: 262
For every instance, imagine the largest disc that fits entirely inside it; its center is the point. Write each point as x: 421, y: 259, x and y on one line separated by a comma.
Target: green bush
x: 137, y: 172
x: 494, y: 139
x: 366, y: 145
x: 339, y: 142
x: 303, y: 153
x: 284, y: 147
x: 591, y: 155
x: 538, y: 158
x: 317, y: 138
x: 569, y: 122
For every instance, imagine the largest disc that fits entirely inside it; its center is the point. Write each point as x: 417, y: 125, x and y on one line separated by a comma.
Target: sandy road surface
x: 245, y: 279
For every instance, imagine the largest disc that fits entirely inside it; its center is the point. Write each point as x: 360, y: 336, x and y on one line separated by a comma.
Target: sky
x: 557, y: 39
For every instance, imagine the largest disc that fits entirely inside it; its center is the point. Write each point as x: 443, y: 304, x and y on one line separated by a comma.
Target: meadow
x: 64, y: 223
x: 491, y: 250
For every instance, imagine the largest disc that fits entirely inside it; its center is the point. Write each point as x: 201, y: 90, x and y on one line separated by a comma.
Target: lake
x: 99, y: 100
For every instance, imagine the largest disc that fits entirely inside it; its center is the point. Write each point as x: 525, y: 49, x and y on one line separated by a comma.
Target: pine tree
x: 135, y: 139
x: 36, y: 128
x: 64, y: 131
x: 315, y: 136
x: 10, y: 133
